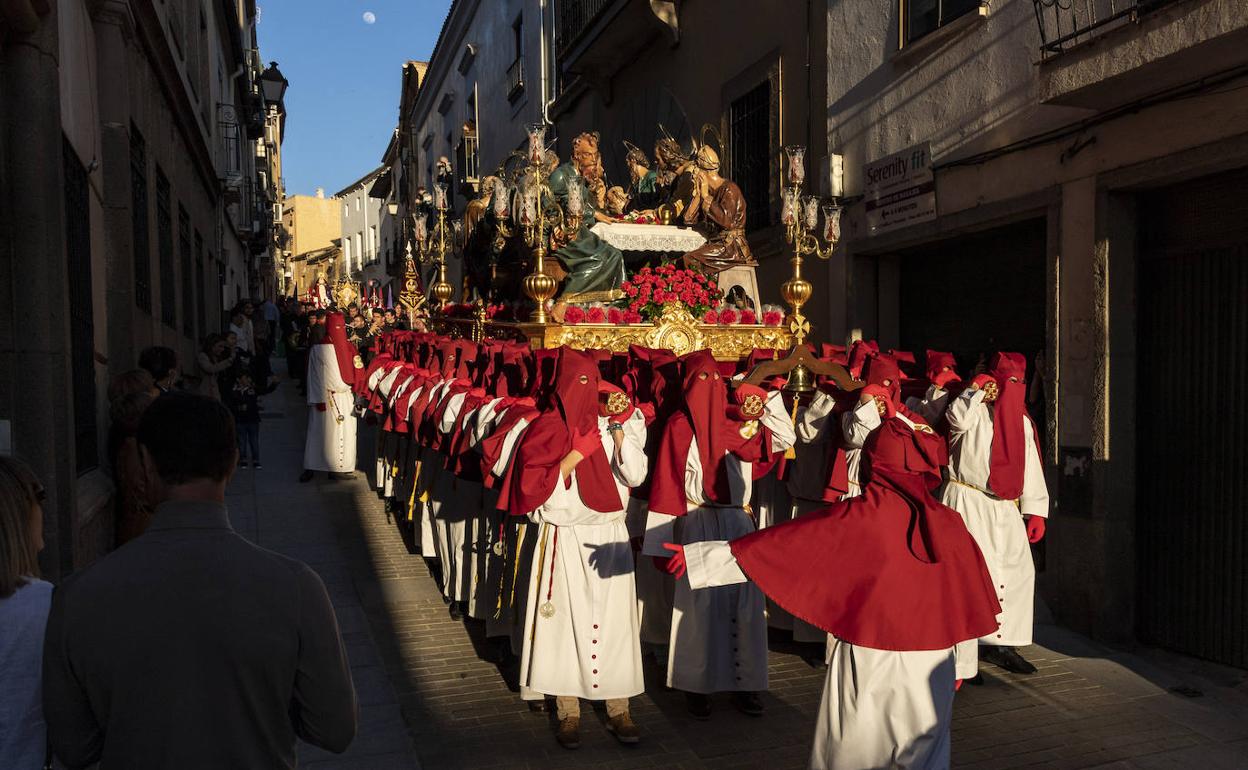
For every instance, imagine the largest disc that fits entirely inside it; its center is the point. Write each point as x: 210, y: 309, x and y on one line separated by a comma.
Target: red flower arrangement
x: 749, y: 317
x: 573, y: 315
x: 632, y: 317
x: 596, y: 315
x: 615, y: 315
x: 651, y: 288
x: 727, y: 316
x: 772, y: 317
x: 710, y: 318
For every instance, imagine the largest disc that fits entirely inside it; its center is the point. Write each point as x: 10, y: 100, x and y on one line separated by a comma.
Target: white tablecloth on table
x: 632, y: 237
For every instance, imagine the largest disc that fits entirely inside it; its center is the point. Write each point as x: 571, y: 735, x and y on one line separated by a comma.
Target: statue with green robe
x: 595, y: 268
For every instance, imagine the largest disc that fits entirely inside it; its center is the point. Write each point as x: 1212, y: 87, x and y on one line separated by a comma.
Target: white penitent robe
x: 880, y: 708
x: 719, y: 636
x: 330, y: 444
x: 997, y: 525
x: 583, y: 568
x: 382, y: 381
x: 458, y: 500
x: 857, y: 426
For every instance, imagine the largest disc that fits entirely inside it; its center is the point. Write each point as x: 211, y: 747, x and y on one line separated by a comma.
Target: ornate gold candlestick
x: 800, y: 216
x: 539, y: 216
x: 432, y: 247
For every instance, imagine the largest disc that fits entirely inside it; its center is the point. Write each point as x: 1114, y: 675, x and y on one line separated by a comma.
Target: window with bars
x: 139, y: 221
x: 188, y: 278
x: 164, y: 244
x: 750, y: 142
x: 81, y: 311
x: 201, y: 304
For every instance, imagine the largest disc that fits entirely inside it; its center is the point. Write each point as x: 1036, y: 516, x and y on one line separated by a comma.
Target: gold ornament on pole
x: 800, y: 216
x: 432, y: 247
x: 539, y: 217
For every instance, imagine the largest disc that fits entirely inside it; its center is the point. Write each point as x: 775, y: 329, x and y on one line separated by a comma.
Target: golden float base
x: 676, y: 330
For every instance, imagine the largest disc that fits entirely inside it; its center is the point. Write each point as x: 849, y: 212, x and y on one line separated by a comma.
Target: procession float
x: 555, y: 256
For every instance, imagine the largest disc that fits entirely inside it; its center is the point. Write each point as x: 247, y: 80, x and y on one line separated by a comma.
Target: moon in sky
x: 370, y: 17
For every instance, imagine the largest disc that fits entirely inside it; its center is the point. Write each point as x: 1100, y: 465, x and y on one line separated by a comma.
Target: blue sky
x: 345, y: 75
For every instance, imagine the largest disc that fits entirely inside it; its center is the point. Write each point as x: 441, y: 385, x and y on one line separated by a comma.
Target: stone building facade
x: 128, y: 176
x: 1090, y: 190
x: 361, y: 228
x: 312, y: 224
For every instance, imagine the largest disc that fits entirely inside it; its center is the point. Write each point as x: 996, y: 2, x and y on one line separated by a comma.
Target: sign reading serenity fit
x: 900, y: 189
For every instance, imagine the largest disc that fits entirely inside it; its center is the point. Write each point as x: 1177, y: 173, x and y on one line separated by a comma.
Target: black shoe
x: 748, y: 703
x: 306, y: 476
x: 456, y: 610
x: 699, y: 705
x: 257, y: 465
x: 1006, y: 658
x: 976, y: 681
x: 342, y: 476
x: 539, y: 706
x: 242, y: 463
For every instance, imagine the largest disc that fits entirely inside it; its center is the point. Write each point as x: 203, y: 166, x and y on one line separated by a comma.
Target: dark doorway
x: 1192, y: 423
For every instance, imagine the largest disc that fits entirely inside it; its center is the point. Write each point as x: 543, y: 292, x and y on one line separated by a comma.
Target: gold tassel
x: 791, y: 452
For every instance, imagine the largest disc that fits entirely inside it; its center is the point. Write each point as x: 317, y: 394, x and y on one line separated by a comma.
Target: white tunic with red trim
x: 330, y: 444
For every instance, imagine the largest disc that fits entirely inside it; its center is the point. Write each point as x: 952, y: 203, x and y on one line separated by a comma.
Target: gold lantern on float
x: 433, y: 246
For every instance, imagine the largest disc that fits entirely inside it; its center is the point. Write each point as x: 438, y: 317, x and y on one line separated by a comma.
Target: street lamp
x: 273, y: 84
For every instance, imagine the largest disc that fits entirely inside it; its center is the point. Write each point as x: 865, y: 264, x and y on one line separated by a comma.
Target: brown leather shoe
x: 569, y: 733
x: 624, y: 728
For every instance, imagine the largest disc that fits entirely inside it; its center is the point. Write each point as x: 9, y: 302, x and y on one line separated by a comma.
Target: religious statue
x: 479, y: 230
x: 643, y: 188
x: 595, y: 268
x: 717, y: 208
x: 675, y: 178
x: 318, y: 292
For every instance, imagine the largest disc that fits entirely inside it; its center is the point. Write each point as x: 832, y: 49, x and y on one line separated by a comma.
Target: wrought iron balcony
x: 576, y: 16
x: 1068, y: 23
x: 515, y: 77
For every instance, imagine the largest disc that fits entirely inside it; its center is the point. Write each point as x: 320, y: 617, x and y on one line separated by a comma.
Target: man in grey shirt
x: 190, y: 647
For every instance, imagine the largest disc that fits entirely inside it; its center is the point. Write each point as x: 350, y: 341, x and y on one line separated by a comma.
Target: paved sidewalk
x: 426, y: 681
x: 325, y: 524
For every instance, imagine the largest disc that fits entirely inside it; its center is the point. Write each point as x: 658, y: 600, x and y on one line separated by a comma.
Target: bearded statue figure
x: 595, y: 268
x: 718, y: 210
x: 674, y: 176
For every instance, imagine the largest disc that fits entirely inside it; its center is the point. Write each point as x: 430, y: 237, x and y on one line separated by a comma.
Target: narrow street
x: 429, y: 697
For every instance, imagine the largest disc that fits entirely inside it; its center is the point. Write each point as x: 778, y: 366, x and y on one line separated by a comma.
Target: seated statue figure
x: 718, y: 209
x: 595, y: 268
x: 674, y: 177
x: 643, y: 188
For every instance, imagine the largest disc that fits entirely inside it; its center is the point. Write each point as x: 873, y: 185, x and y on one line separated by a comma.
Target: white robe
x: 330, y: 444
x: 879, y: 708
x: 719, y: 636
x: 997, y: 525
x: 583, y: 566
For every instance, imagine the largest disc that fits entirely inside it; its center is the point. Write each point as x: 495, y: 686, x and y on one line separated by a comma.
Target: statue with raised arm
x: 595, y: 268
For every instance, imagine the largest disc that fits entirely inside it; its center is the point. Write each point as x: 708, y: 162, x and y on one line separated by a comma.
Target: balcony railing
x: 575, y: 16
x: 515, y: 77
x: 1068, y: 23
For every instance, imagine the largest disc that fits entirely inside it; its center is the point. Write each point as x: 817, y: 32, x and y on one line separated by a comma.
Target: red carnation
x: 749, y: 317
x: 632, y: 317
x: 728, y: 316
x: 710, y: 318
x: 615, y: 315
x: 772, y: 318
x: 573, y: 315
x: 596, y: 315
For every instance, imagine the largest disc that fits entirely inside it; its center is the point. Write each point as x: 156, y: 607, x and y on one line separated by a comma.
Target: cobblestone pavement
x: 428, y: 689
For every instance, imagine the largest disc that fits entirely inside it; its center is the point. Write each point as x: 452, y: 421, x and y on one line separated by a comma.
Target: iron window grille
x: 140, y: 221
x: 750, y: 143
x: 164, y: 245
x: 188, y: 284
x: 81, y: 311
